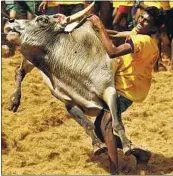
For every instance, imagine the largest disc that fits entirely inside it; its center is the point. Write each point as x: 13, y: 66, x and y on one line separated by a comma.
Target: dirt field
x: 42, y: 139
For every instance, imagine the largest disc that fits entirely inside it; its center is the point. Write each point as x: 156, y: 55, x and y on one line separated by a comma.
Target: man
x: 138, y: 56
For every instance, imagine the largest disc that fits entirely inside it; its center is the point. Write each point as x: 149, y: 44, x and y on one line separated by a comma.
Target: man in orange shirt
x: 135, y: 64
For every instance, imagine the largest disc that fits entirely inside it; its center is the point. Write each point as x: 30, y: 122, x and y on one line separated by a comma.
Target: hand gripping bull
x: 77, y: 70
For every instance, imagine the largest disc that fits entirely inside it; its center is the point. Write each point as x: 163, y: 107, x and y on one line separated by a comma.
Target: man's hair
x: 157, y: 14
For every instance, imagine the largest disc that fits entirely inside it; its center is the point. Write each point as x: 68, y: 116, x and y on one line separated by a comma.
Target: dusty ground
x: 42, y: 139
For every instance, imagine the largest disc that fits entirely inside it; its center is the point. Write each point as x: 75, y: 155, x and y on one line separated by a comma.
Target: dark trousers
x: 70, y: 9
x: 122, y: 105
x: 104, y: 10
x: 64, y: 9
x: 52, y: 10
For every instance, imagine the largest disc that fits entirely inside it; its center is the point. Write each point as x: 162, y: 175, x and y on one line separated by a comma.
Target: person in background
x: 49, y: 7
x: 63, y: 7
x: 11, y: 8
x: 28, y: 9
x: 123, y: 11
x: 15, y: 9
x: 71, y: 7
x: 22, y: 9
x: 104, y: 9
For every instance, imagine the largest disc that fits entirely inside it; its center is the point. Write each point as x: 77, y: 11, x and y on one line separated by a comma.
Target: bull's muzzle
x: 15, y: 26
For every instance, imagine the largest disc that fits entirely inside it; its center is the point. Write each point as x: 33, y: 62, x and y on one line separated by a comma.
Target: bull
x: 77, y: 70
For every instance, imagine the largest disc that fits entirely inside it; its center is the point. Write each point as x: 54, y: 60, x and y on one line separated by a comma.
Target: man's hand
x: 96, y: 22
x: 42, y: 6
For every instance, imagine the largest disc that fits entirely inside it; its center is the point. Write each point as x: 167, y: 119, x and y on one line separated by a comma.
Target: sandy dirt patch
x: 41, y: 138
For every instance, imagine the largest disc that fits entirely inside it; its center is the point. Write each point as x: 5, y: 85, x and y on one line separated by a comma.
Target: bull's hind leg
x: 77, y: 113
x: 20, y: 73
x: 110, y: 97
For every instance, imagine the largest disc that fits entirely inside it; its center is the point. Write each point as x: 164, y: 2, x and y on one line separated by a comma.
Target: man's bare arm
x: 111, y: 49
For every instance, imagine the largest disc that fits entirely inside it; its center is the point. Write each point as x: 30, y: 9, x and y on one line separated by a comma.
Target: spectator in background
x: 71, y: 7
x: 28, y: 9
x: 49, y: 7
x: 8, y: 10
x: 123, y: 11
x: 16, y: 9
x: 134, y: 12
x: 104, y: 9
x: 11, y: 8
x: 64, y: 7
x: 165, y: 5
x: 22, y: 9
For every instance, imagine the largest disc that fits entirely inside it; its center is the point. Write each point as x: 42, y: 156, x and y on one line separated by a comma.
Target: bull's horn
x: 79, y: 14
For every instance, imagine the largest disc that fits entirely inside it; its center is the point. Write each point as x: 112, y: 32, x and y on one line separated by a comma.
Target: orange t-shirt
x: 134, y: 72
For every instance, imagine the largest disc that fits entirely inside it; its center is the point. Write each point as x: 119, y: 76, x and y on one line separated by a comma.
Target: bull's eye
x: 43, y: 20
x: 46, y: 21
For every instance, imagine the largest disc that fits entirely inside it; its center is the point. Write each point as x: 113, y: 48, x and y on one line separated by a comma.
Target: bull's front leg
x: 110, y: 97
x: 77, y: 113
x: 20, y: 73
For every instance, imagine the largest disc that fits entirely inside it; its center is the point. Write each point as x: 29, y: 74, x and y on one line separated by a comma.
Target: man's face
x: 145, y: 24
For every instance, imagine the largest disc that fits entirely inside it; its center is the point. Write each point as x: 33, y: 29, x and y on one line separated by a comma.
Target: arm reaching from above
x: 111, y: 49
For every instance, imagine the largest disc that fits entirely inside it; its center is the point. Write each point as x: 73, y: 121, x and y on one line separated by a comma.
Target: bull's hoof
x: 99, y: 148
x: 142, y: 156
x: 5, y: 50
x: 14, y: 104
x: 141, y: 169
x: 126, y: 147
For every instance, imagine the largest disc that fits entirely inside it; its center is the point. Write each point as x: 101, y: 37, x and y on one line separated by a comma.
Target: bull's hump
x: 78, y: 59
x: 80, y: 53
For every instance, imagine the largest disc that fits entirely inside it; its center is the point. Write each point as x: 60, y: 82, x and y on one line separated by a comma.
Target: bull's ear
x: 70, y: 27
x: 11, y: 20
x: 34, y: 15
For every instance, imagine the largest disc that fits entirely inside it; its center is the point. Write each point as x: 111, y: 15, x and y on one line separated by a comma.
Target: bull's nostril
x: 11, y: 20
x: 7, y: 30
